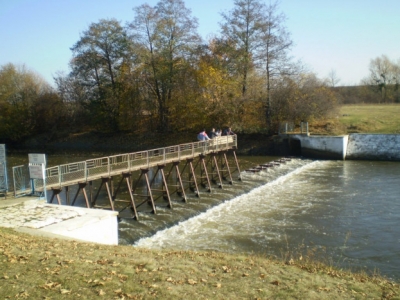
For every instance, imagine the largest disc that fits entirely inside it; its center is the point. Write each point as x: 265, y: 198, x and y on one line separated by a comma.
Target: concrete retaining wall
x: 353, y: 146
x: 374, y: 147
x: 326, y: 147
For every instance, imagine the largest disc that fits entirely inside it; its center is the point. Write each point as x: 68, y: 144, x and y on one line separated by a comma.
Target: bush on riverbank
x: 44, y: 268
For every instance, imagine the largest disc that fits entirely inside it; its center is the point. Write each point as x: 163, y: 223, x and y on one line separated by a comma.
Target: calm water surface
x: 346, y: 212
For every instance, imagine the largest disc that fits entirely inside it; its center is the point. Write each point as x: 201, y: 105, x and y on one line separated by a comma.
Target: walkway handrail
x: 84, y: 171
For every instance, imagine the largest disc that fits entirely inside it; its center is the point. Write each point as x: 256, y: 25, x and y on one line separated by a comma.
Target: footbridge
x: 181, y: 168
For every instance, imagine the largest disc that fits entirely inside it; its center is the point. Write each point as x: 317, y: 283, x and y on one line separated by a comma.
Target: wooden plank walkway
x: 60, y: 176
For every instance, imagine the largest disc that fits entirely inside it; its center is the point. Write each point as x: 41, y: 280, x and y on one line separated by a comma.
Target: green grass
x: 361, y: 118
x: 384, y: 118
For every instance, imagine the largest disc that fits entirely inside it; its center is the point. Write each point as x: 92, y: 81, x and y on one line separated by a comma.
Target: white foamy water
x: 350, y: 210
x: 246, y: 215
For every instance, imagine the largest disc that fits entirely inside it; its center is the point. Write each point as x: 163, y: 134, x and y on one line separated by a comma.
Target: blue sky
x: 339, y: 35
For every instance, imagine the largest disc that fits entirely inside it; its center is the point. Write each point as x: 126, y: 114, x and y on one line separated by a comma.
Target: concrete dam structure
x: 354, y: 146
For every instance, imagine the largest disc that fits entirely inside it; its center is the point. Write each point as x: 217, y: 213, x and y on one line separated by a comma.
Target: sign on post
x: 36, y: 171
x: 35, y: 158
x: 37, y: 165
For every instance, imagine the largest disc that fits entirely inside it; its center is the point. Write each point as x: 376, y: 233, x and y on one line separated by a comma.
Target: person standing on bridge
x: 213, y: 134
x: 202, y: 136
x: 228, y: 131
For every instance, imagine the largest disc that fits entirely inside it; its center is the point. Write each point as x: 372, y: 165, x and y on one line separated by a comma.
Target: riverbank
x: 248, y: 144
x: 40, y: 267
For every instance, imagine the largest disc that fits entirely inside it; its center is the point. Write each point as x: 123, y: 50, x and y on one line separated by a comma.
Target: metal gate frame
x: 22, y: 182
x: 3, y: 170
x: 3, y: 178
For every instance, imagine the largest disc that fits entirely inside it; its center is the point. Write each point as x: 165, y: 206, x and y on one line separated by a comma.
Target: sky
x: 342, y: 36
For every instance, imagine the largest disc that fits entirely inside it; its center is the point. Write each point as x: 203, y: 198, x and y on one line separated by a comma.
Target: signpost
x: 37, y: 166
x: 35, y: 158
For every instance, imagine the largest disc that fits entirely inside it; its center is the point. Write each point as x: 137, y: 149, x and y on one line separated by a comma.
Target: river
x: 345, y: 213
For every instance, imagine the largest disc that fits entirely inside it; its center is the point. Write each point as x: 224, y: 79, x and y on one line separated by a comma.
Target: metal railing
x: 91, y: 169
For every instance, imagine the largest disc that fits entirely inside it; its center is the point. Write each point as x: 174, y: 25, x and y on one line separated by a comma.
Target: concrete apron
x: 33, y: 216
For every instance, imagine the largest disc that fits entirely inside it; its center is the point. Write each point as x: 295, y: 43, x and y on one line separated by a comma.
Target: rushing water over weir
x: 345, y: 212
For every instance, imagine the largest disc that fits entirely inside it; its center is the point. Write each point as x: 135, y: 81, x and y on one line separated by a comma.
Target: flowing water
x: 345, y: 212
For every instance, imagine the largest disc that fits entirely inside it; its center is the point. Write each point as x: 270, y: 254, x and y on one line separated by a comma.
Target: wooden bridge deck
x: 60, y: 176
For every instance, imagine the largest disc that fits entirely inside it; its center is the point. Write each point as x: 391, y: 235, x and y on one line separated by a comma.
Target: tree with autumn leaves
x: 155, y: 73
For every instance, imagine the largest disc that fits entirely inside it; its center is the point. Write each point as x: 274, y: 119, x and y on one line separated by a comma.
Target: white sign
x: 36, y: 171
x: 2, y: 153
x: 35, y: 158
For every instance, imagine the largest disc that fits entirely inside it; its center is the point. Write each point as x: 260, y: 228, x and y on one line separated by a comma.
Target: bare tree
x: 333, y: 79
x: 165, y: 37
x: 382, y: 75
x: 243, y: 30
x: 277, y: 43
x: 260, y: 44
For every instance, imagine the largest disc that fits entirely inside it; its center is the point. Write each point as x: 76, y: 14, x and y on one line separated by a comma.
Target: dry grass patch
x: 43, y: 268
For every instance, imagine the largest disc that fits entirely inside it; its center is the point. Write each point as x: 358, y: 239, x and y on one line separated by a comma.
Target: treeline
x: 381, y: 86
x: 155, y: 73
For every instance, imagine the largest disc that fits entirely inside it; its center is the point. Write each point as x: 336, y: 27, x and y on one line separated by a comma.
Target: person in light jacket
x: 202, y: 136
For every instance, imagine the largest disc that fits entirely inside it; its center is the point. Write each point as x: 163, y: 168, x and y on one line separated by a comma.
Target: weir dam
x: 355, y: 146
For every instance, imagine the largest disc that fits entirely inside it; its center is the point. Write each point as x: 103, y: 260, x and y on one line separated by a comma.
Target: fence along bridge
x: 209, y: 158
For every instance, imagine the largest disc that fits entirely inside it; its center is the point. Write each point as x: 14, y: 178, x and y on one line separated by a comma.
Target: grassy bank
x: 45, y: 268
x: 365, y: 118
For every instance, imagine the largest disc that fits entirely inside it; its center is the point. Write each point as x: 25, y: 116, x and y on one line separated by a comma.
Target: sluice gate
x: 147, y: 175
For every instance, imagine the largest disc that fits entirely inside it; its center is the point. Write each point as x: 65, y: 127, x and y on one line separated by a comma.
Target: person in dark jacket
x: 228, y: 131
x: 213, y: 134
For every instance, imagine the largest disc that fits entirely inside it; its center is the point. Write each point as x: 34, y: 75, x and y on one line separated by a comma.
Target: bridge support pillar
x: 164, y: 186
x: 225, y: 168
x: 237, y: 165
x: 81, y: 187
x: 179, y: 189
x: 56, y: 192
x: 204, y: 173
x: 149, y: 197
x: 215, y: 169
x: 195, y: 189
x: 131, y: 202
x: 104, y: 181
